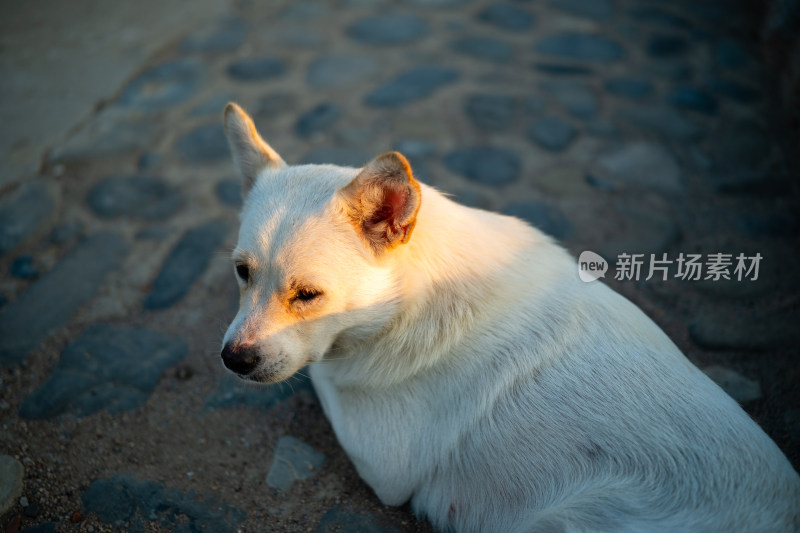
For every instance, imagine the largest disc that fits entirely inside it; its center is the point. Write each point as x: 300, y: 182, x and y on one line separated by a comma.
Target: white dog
x: 463, y: 366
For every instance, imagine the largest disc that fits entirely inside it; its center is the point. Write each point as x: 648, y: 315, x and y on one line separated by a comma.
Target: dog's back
x: 617, y: 432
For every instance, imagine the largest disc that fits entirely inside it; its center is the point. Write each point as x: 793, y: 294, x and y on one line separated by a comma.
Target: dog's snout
x: 241, y: 359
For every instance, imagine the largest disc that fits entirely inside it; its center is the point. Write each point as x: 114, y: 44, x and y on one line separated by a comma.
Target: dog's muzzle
x: 241, y: 359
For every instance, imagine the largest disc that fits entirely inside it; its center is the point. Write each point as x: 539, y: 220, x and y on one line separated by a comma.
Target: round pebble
x: 507, y: 17
x: 388, y: 29
x: 257, y: 69
x: 484, y: 48
x: 582, y: 46
x: 485, y: 164
x: 551, y: 133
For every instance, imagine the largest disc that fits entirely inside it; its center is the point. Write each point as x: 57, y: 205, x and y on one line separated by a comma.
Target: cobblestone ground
x: 618, y: 126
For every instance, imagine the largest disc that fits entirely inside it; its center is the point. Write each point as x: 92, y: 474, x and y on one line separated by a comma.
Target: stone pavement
x: 617, y: 126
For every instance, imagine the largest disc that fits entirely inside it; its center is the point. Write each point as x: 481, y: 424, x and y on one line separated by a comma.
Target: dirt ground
x: 699, y: 96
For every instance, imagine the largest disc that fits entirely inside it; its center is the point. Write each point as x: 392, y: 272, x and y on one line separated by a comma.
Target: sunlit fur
x: 471, y: 372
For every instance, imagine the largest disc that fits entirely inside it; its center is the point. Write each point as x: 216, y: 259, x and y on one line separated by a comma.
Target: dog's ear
x: 382, y: 201
x: 250, y: 153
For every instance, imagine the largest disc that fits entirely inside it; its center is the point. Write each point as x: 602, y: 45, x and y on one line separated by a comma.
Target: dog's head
x: 314, y: 256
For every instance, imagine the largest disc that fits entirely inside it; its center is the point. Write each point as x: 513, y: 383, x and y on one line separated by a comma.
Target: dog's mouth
x: 259, y: 376
x: 265, y: 375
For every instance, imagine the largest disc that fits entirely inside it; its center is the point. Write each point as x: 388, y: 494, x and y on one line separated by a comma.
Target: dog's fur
x: 463, y: 366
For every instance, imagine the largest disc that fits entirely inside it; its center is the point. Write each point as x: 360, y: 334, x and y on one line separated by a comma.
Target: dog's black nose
x: 240, y: 359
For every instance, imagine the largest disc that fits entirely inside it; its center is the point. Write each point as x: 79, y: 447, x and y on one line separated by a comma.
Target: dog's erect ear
x: 382, y: 201
x: 250, y: 153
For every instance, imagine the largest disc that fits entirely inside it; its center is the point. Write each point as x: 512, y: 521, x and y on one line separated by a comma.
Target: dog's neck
x: 462, y: 269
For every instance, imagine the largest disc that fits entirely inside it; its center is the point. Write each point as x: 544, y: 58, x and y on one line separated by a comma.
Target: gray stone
x: 227, y: 37
x: 507, y: 17
x: 143, y: 197
x: 204, y: 144
x: 229, y: 192
x: 304, y: 10
x: 735, y: 91
x: 582, y: 46
x: 257, y: 69
x: 662, y: 121
x: 691, y: 98
x: 670, y: 69
x: 629, y: 87
x: 108, y: 367
x: 485, y: 164
x: 438, y: 3
x: 338, y: 520
x: 346, y: 157
x: 154, y: 233
x: 232, y: 392
x: 124, y: 498
x: 658, y: 17
x: 296, y: 36
x: 601, y: 128
x: 11, y: 472
x: 595, y: 9
x: 484, y: 48
x: 738, y: 387
x: 768, y: 224
x: 109, y: 134
x: 388, y: 29
x: 791, y: 421
x: 149, y: 161
x: 35, y: 314
x: 551, y: 133
x: 731, y: 54
x: 24, y: 212
x: 601, y: 183
x: 412, y: 85
x: 164, y: 85
x: 642, y: 165
x: 317, y: 119
x: 491, y: 112
x: 641, y: 230
x: 735, y: 290
x: 548, y: 218
x: 747, y: 331
x: 562, y: 70
x: 341, y: 70
x: 23, y: 267
x: 185, y: 263
x: 293, y: 460
x: 535, y: 105
x: 67, y: 232
x: 699, y: 158
x: 576, y: 97
x: 741, y: 149
x: 666, y: 46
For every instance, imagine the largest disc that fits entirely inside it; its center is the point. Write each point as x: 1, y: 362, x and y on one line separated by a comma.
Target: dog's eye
x: 304, y: 295
x: 243, y: 271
